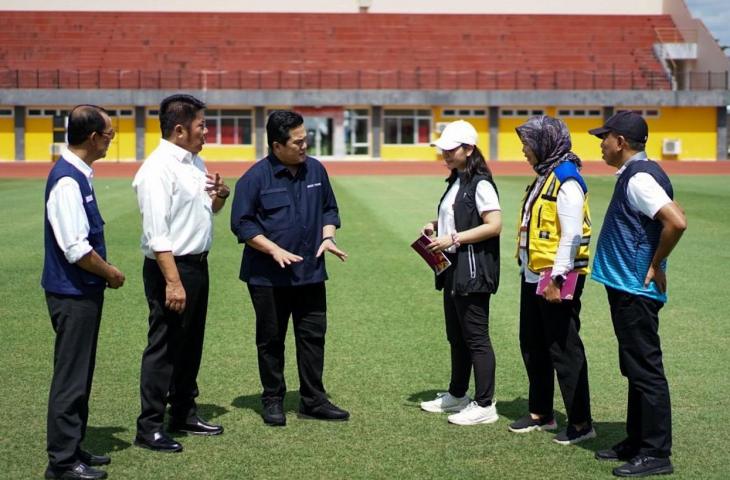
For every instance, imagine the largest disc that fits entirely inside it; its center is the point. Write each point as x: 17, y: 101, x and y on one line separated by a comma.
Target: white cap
x: 455, y: 134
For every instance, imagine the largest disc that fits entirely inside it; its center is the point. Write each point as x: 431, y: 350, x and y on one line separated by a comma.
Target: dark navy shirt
x: 288, y: 210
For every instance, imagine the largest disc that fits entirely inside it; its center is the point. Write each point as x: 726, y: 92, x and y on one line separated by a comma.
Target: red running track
x: 235, y: 169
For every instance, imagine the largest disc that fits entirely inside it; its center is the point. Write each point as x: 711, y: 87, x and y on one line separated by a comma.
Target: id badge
x: 523, y: 237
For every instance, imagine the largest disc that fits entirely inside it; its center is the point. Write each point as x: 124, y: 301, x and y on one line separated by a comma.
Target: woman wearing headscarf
x: 467, y: 231
x: 554, y: 233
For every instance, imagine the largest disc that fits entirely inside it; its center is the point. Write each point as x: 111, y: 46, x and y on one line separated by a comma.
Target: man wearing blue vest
x: 641, y: 227
x: 75, y: 274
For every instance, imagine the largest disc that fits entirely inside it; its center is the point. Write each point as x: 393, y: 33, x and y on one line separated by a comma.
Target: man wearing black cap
x: 641, y: 227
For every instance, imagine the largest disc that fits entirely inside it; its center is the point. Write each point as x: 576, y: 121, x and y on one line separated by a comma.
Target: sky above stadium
x: 716, y: 16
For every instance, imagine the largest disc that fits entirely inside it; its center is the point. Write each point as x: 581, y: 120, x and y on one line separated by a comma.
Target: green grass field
x: 386, y: 350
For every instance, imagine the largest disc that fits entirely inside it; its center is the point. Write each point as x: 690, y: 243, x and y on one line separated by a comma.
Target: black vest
x: 476, y: 265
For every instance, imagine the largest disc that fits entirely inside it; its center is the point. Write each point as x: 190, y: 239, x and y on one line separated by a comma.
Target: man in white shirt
x: 177, y: 199
x: 75, y: 274
x: 641, y: 227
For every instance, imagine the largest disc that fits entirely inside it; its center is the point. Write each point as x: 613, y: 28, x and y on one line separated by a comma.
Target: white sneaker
x: 473, y: 414
x: 445, y: 402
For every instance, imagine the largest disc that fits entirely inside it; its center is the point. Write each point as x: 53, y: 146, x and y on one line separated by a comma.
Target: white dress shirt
x: 486, y: 200
x: 66, y: 212
x: 643, y: 191
x: 177, y: 213
x: 570, y: 215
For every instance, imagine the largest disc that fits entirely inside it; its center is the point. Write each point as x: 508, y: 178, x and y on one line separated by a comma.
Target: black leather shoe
x: 94, y: 460
x: 196, y: 426
x: 643, y: 466
x: 79, y: 470
x: 158, y: 442
x: 273, y: 414
x: 622, y: 451
x: 324, y: 411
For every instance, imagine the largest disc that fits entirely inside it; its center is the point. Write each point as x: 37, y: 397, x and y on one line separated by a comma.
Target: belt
x: 192, y: 258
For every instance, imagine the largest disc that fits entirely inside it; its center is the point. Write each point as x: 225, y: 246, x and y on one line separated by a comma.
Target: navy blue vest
x: 629, y: 238
x: 60, y: 276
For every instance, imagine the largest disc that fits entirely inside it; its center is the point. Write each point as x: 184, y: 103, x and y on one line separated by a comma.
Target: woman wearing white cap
x: 467, y: 231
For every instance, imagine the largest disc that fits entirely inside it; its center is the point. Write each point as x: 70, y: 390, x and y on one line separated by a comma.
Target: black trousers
x: 649, y: 414
x: 551, y: 345
x: 171, y: 361
x: 76, y: 322
x: 307, y: 305
x: 467, y: 329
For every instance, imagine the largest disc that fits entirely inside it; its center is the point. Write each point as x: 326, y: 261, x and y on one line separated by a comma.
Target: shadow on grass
x: 103, y: 440
x: 253, y: 402
x: 210, y: 412
x: 607, y: 433
x: 417, y: 398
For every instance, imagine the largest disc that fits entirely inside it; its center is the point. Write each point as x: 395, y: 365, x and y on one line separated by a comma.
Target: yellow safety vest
x: 543, y: 234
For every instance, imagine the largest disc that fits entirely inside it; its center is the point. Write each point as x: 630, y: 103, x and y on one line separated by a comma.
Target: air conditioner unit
x: 671, y: 146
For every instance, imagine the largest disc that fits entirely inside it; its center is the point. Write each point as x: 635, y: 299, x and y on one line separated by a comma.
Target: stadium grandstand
x: 375, y: 79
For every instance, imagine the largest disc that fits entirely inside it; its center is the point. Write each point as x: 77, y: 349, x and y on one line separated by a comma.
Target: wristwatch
x: 559, y: 280
x: 331, y: 239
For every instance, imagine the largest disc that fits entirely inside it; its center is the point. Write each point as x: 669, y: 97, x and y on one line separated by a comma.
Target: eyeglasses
x: 109, y: 133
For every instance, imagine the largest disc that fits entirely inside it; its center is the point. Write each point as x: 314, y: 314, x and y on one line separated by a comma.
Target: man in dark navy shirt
x: 285, y: 211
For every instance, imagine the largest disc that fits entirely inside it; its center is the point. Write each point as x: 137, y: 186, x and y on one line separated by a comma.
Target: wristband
x: 331, y: 239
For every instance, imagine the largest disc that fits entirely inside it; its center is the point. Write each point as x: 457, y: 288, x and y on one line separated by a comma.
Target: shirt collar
x: 178, y: 153
x: 640, y: 156
x: 279, y: 168
x: 76, y: 161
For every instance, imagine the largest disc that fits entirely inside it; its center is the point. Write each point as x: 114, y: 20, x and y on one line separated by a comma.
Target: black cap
x: 627, y: 123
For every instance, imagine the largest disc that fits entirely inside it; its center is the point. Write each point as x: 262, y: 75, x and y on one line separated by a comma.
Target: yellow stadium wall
x: 510, y: 147
x: 152, y: 134
x: 7, y: 139
x: 407, y: 152
x: 696, y: 127
x: 585, y: 145
x: 123, y: 146
x: 226, y: 153
x: 38, y: 139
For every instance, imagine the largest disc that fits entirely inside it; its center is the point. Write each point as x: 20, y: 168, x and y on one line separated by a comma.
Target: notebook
x: 568, y: 289
x: 436, y: 260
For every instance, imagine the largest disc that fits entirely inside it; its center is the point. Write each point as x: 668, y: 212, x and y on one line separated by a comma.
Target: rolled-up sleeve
x: 154, y: 196
x: 244, y: 224
x: 330, y: 212
x: 68, y: 220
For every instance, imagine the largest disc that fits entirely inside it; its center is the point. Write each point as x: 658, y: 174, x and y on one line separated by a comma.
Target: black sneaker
x: 529, y: 424
x: 571, y: 435
x: 643, y: 466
